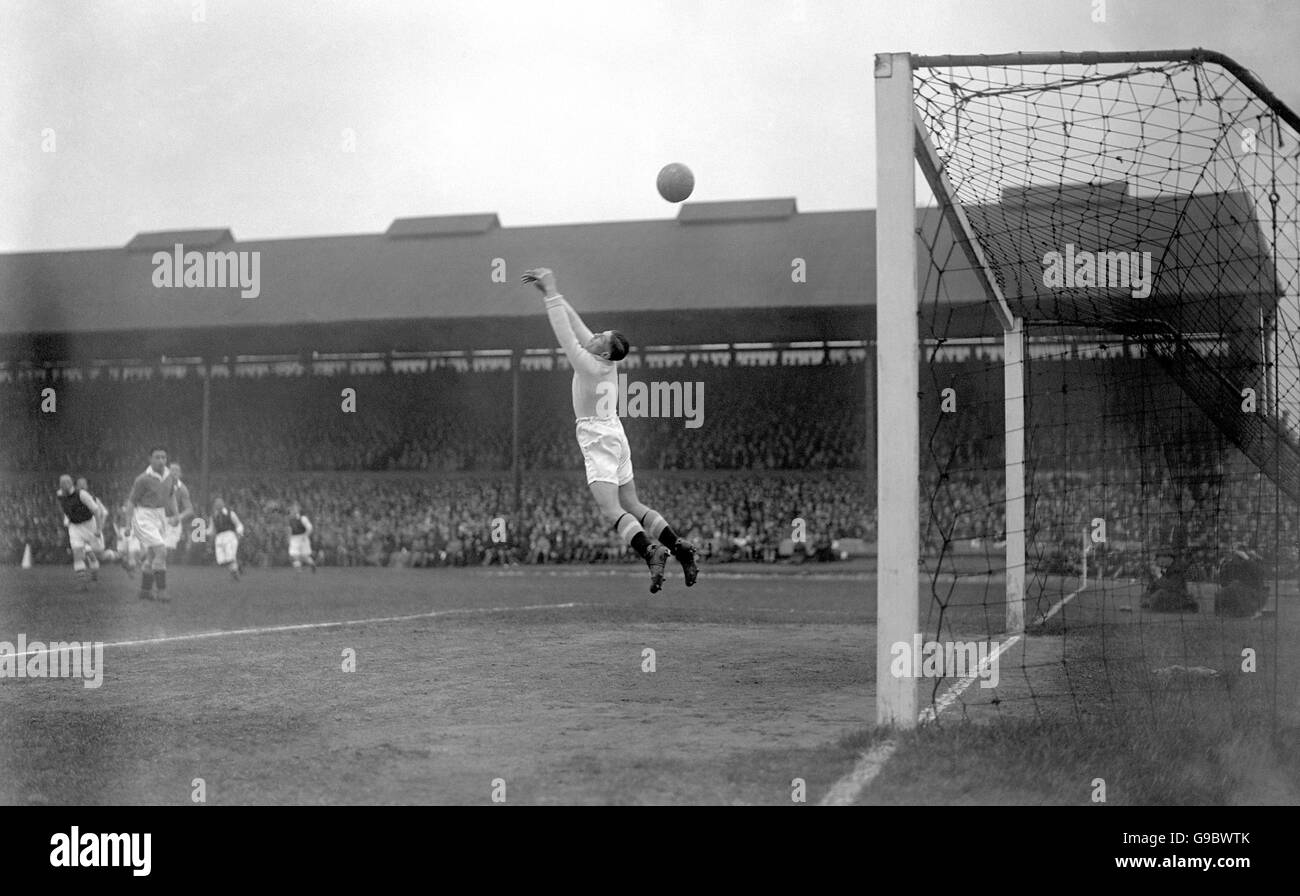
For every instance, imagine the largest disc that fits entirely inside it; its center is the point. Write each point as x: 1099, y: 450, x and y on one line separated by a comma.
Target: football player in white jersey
x: 594, y: 358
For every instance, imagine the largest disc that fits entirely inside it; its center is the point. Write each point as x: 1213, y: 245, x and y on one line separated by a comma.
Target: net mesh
x: 1139, y: 217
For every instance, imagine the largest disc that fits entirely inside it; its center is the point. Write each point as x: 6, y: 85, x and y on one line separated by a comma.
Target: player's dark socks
x: 658, y: 562
x: 658, y: 527
x: 160, y: 579
x: 146, y: 581
x: 685, y: 554
x: 641, y: 544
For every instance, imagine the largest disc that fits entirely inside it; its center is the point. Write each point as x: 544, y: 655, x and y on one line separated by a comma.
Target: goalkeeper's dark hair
x: 618, y: 346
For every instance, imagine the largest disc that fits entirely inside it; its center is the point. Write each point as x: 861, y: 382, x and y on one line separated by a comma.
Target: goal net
x: 1106, y: 462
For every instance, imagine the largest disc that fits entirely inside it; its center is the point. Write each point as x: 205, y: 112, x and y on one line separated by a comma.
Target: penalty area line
x: 306, y: 626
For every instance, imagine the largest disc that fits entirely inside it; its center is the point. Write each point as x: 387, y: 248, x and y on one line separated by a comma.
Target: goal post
x: 1091, y: 321
x: 897, y: 382
x: 902, y: 144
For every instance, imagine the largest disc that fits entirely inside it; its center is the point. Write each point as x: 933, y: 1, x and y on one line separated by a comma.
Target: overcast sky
x: 547, y: 113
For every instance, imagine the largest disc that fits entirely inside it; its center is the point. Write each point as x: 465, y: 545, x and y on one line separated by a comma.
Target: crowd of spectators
x: 405, y: 520
x: 414, y: 520
x: 438, y: 421
x: 415, y: 471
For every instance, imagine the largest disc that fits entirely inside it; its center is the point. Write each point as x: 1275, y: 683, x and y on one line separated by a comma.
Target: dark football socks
x: 658, y: 527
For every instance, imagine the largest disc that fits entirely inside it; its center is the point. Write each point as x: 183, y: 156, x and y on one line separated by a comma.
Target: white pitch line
x: 303, y: 626
x: 957, y: 688
x: 1056, y: 608
x: 846, y: 790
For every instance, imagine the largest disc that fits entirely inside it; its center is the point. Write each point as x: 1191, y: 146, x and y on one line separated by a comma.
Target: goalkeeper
x: 594, y: 358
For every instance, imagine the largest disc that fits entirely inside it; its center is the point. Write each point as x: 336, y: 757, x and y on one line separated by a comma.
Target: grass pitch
x: 540, y: 678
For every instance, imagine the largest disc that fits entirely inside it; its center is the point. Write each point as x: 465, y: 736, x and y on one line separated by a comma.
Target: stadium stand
x: 418, y: 480
x: 410, y: 321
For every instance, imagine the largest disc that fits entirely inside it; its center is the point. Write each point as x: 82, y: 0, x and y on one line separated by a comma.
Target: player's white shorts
x: 299, y: 546
x: 85, y: 535
x: 227, y: 546
x: 605, y: 450
x: 148, y: 525
x: 171, y: 536
x: 127, y: 543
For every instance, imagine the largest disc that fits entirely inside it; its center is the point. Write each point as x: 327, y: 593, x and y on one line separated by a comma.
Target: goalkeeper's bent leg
x: 606, y: 495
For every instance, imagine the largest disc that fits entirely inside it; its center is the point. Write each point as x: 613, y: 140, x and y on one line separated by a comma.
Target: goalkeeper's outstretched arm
x: 569, y: 329
x: 580, y: 330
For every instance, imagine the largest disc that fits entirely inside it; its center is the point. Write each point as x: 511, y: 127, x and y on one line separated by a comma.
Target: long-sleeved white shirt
x: 589, y: 371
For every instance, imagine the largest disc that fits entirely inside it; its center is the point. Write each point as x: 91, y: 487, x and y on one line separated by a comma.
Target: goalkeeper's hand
x: 543, y: 279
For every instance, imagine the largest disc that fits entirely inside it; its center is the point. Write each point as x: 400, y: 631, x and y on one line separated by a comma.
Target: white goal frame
x: 903, y: 145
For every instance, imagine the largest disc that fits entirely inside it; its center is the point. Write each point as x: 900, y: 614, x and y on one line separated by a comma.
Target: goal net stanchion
x: 1098, y: 307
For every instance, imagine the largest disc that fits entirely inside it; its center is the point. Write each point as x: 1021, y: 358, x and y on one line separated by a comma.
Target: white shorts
x: 171, y: 536
x: 227, y: 545
x: 85, y: 535
x: 148, y: 525
x: 605, y: 450
x: 299, y: 546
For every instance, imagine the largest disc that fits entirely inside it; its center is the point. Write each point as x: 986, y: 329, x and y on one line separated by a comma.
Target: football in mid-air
x: 675, y: 182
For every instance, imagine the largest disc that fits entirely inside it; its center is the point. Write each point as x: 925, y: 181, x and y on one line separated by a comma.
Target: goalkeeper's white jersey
x: 590, y: 399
